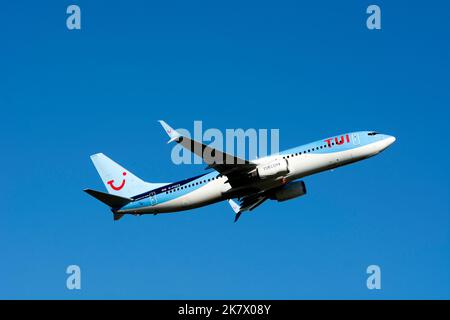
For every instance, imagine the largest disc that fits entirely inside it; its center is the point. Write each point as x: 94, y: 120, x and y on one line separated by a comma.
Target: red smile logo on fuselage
x: 111, y: 183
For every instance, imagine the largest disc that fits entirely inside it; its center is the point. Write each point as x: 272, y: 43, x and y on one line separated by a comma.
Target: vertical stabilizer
x: 118, y: 180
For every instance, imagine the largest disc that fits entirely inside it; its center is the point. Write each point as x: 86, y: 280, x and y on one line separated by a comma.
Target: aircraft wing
x: 236, y: 169
x: 247, y: 203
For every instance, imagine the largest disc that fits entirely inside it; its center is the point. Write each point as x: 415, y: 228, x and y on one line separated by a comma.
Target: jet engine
x: 290, y: 191
x: 272, y: 169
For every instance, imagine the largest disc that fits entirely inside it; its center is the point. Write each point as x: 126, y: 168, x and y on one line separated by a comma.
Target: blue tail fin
x: 118, y: 180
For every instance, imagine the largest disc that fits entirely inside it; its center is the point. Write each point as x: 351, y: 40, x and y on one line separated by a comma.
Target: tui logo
x: 111, y: 183
x: 337, y: 140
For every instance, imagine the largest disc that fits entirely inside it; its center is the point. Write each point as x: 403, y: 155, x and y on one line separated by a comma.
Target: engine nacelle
x: 272, y: 169
x: 290, y: 191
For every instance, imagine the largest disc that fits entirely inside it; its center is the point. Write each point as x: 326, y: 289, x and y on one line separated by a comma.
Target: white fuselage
x: 213, y: 186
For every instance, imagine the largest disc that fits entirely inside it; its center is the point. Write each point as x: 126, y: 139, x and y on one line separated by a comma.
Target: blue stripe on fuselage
x: 171, y: 191
x: 169, y: 186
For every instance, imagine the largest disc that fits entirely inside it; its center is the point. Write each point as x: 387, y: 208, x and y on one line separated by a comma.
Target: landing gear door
x: 355, y: 139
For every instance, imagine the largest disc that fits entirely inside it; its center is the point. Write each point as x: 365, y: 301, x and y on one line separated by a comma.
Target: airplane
x: 275, y: 177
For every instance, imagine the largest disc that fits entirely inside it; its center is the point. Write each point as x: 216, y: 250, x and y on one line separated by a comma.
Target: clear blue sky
x: 311, y: 70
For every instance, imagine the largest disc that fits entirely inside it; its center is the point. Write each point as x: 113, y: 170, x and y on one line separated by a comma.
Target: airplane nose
x: 390, y: 140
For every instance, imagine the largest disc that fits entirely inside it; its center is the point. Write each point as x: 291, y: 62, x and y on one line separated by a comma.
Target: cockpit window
x: 372, y: 133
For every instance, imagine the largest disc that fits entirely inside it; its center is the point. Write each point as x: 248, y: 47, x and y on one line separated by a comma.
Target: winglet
x: 173, y: 134
x: 236, y: 208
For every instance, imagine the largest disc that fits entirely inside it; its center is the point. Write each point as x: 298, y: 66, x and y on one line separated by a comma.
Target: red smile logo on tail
x: 111, y: 183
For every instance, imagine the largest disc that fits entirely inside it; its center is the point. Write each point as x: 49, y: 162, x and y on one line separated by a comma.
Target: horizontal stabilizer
x: 109, y: 199
x: 117, y: 216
